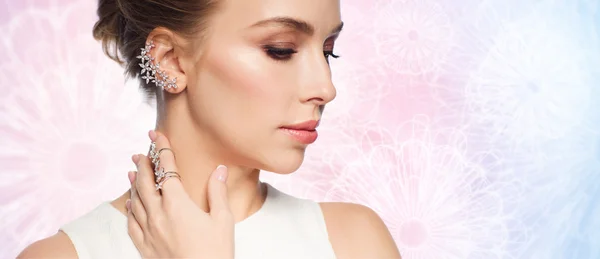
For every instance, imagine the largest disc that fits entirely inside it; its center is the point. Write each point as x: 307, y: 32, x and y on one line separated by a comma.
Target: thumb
x: 217, y: 193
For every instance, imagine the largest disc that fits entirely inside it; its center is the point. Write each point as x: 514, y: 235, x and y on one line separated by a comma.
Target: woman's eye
x: 280, y: 53
x: 329, y: 54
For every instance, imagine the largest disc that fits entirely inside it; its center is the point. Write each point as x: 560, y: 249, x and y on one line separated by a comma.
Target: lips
x: 304, y: 132
x: 307, y: 125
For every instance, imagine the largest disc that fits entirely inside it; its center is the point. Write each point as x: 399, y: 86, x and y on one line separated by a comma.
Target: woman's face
x: 264, y: 66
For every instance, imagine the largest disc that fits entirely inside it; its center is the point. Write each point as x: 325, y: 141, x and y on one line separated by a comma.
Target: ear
x: 169, y: 73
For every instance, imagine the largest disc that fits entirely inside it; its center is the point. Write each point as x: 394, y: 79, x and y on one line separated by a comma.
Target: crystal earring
x: 151, y: 72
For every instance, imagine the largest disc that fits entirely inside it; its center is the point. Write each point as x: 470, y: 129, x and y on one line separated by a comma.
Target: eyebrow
x: 295, y: 24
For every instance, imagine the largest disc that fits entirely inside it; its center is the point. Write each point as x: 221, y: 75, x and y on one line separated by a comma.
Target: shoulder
x: 55, y: 246
x: 356, y: 231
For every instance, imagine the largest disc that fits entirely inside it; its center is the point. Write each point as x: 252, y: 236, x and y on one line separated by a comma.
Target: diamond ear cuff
x: 151, y: 72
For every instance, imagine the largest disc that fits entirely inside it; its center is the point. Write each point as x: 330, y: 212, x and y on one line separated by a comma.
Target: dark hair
x: 124, y: 25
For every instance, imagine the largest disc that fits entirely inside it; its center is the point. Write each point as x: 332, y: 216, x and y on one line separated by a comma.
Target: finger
x: 133, y: 227
x: 171, y: 188
x: 217, y: 193
x: 135, y: 204
x: 144, y: 184
x: 131, y: 176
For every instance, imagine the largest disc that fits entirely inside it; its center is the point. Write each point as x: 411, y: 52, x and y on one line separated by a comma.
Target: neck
x: 197, y: 156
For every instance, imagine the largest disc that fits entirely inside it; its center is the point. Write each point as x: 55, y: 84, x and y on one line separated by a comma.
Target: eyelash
x: 330, y: 54
x: 282, y: 54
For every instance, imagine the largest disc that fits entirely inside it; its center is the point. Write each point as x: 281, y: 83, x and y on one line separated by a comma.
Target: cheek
x: 244, y: 73
x: 245, y: 87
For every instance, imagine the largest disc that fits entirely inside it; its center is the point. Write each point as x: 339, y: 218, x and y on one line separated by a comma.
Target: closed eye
x: 329, y: 54
x: 280, y: 54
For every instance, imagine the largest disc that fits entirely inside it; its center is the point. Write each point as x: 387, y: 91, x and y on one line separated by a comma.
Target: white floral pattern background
x: 471, y: 127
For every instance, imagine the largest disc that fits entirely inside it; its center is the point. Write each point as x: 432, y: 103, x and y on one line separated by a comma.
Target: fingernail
x: 135, y: 158
x: 221, y: 173
x: 152, y: 135
x: 131, y: 176
x: 128, y: 204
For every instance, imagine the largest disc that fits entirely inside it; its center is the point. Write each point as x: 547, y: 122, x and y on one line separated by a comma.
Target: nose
x: 317, y: 86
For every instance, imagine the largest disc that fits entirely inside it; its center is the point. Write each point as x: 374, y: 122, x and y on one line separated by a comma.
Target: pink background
x: 470, y: 126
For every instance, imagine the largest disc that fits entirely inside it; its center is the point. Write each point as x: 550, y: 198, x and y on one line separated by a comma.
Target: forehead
x: 236, y: 15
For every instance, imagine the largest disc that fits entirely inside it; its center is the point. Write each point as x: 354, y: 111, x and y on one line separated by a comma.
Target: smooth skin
x: 178, y: 226
x: 263, y: 65
x: 170, y: 225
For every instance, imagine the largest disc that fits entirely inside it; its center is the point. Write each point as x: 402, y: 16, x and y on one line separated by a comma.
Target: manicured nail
x: 152, y: 135
x: 131, y: 176
x: 128, y: 204
x: 221, y: 173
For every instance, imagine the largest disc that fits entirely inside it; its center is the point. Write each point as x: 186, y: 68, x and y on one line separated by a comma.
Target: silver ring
x: 164, y: 179
x: 163, y: 149
x: 153, y: 149
x: 160, y: 174
x: 154, y: 156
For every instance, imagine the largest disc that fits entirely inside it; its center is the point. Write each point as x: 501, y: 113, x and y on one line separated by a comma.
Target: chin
x: 283, y: 162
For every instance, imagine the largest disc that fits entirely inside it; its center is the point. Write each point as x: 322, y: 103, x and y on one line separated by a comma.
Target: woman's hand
x: 171, y: 225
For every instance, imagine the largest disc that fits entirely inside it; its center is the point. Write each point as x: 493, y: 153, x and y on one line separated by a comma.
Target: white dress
x: 284, y: 227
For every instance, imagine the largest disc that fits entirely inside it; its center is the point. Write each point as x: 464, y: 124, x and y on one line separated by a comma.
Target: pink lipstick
x: 304, y: 132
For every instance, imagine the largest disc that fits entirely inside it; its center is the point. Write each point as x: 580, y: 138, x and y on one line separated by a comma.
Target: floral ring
x: 163, y: 176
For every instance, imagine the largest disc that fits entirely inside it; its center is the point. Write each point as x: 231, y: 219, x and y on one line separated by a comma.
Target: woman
x: 241, y: 84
